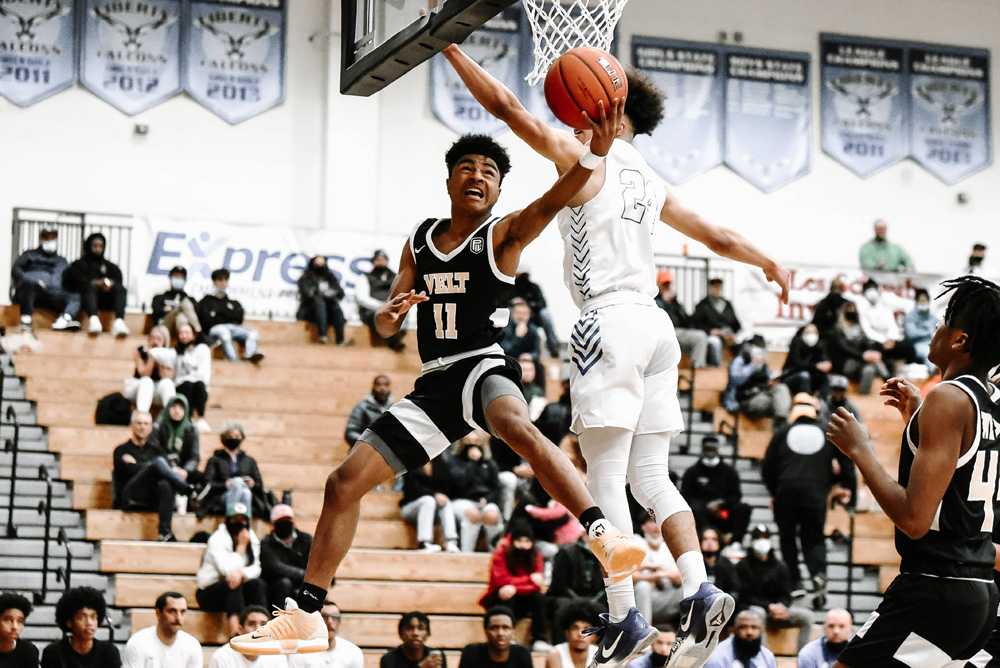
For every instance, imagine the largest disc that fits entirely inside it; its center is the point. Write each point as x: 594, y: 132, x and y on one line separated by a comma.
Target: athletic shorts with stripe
x: 444, y: 406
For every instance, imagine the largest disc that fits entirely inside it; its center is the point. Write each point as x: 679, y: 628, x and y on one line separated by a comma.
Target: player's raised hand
x: 606, y: 127
x: 778, y: 274
x: 399, y: 306
x: 845, y: 432
x: 902, y: 395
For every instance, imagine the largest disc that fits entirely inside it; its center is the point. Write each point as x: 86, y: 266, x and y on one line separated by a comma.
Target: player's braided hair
x: 974, y: 307
x: 644, y: 104
x: 478, y: 145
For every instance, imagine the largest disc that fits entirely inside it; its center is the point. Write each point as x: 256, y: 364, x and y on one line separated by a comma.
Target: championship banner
x: 235, y: 56
x: 768, y: 116
x: 496, y: 47
x: 689, y: 140
x: 37, y: 49
x: 950, y: 131
x: 864, y: 103
x: 130, y: 52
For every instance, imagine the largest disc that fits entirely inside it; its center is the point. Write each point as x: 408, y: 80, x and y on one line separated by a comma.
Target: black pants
x: 395, y: 341
x: 902, y: 351
x: 220, y: 598
x: 810, y: 382
x: 28, y: 294
x: 733, y: 519
x: 801, y: 514
x: 94, y: 300
x: 153, y: 487
x: 326, y: 312
x: 197, y: 395
x: 280, y: 588
x: 524, y: 605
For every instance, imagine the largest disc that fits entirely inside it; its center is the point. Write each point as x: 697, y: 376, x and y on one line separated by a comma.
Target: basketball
x: 580, y: 78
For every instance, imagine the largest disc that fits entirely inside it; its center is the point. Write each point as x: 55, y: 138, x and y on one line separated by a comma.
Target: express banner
x: 37, y: 49
x: 689, y: 140
x: 130, y: 52
x: 235, y: 56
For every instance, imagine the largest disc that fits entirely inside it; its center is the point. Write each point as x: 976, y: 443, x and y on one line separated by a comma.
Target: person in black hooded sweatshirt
x: 319, y: 300
x: 99, y: 282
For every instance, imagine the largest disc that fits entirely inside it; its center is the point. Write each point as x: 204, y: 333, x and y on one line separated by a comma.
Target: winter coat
x: 221, y: 558
x: 501, y: 574
x: 474, y: 480
x: 278, y: 560
x: 91, y: 267
x: 218, y: 471
x: 38, y: 266
x: 194, y: 363
x: 417, y: 484
x: 530, y: 292
x: 364, y: 413
x: 707, y: 483
x: 763, y: 582
x: 707, y: 318
x: 171, y: 299
x: 676, y: 311
x: 214, y: 310
x: 799, y: 461
x: 802, y: 357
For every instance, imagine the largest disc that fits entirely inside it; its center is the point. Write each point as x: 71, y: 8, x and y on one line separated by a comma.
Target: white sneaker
x: 429, y: 548
x: 203, y: 426
x: 119, y: 328
x: 65, y: 323
x: 452, y: 547
x: 292, y: 631
x: 94, y: 325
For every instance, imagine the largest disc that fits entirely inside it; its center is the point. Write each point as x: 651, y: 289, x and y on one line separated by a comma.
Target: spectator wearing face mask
x: 919, y: 325
x: 838, y: 397
x: 371, y: 292
x: 823, y: 652
x: 99, y: 284
x: 232, y: 476
x: 744, y: 648
x: 721, y: 571
x: 175, y: 302
x: 880, y: 254
x: 153, y: 371
x: 222, y: 317
x: 716, y: 316
x: 369, y: 409
x: 659, y: 651
x: 693, y: 341
x: 852, y: 353
x: 319, y: 301
x: 976, y: 264
x: 516, y: 578
x: 531, y: 293
x: 475, y: 491
x: 37, y: 278
x: 520, y: 336
x: 878, y: 321
x: 193, y: 372
x: 807, y: 366
x: 283, y: 555
x: 750, y: 389
x: 657, y: 583
x: 712, y: 489
x: 827, y: 310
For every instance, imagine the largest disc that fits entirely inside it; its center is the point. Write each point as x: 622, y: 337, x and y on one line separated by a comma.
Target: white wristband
x: 590, y: 161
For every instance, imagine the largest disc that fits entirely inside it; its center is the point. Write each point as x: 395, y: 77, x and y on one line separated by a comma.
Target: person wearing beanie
x: 516, y: 578
x: 283, y: 555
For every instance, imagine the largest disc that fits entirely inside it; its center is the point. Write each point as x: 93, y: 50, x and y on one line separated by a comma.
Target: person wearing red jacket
x: 516, y: 578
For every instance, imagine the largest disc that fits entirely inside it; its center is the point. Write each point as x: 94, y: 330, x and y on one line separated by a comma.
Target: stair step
x: 31, y: 488
x: 25, y: 517
x: 74, y: 533
x: 33, y: 580
x: 23, y: 547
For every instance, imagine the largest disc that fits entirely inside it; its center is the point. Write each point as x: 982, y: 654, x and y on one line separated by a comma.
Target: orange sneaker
x: 620, y: 555
x: 292, y: 631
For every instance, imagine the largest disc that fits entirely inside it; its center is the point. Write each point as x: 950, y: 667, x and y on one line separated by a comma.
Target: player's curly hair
x: 578, y: 611
x: 478, y: 145
x: 645, y: 103
x: 974, y: 308
x: 75, y: 600
x: 12, y: 600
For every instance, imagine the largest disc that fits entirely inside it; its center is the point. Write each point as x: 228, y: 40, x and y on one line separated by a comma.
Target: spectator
x: 425, y: 500
x: 694, y: 342
x: 880, y: 254
x: 800, y: 469
x: 658, y: 581
x: 231, y: 475
x: 372, y: 292
x: 178, y: 439
x: 556, y: 521
x: 144, y: 479
x: 283, y: 555
x: 578, y: 649
x: 175, y: 303
x: 414, y: 629
x: 576, y: 577
x: 223, y: 318
x: 919, y: 325
x: 193, y: 372
x: 498, y: 650
x: 554, y: 421
x: 520, y: 336
x: 251, y: 618
x: 659, y: 652
x: 369, y: 409
x: 475, y: 491
x: 37, y: 279
x: 166, y: 644
x: 533, y: 390
x: 229, y: 576
x: 852, y: 353
x: 976, y: 264
x: 807, y: 366
x: 532, y: 295
x: 79, y: 612
x: 14, y: 652
x: 153, y: 375
x: 319, y: 301
x: 878, y: 322
x: 744, y: 649
x: 712, y: 489
x: 823, y: 652
x: 715, y: 316
x: 838, y: 397
x: 516, y: 578
x: 721, y: 571
x: 99, y: 284
x: 342, y: 652
x: 750, y: 389
x: 827, y: 310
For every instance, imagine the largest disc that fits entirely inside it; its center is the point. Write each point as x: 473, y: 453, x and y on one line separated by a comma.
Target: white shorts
x: 624, y: 370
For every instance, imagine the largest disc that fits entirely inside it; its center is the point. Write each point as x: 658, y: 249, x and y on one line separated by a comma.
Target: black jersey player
x: 942, y: 607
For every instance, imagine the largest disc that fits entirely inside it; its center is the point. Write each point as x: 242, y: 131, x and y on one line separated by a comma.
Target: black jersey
x: 467, y: 309
x: 959, y: 543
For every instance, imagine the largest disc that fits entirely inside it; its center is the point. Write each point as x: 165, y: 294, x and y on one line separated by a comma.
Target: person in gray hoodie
x: 37, y: 277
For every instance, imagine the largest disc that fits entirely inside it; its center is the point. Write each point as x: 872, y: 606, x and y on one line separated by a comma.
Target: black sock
x: 589, y: 516
x: 310, y: 597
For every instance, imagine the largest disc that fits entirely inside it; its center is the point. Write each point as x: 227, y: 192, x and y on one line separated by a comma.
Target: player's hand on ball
x: 400, y: 305
x: 606, y: 127
x: 845, y: 432
x: 902, y: 395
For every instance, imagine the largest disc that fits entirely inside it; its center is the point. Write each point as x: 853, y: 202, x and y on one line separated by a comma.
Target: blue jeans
x: 28, y: 293
x: 238, y: 492
x: 226, y: 334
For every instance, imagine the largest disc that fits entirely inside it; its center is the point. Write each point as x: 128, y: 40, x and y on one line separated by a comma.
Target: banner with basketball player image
x: 497, y: 48
x: 235, y: 56
x: 768, y: 115
x: 130, y: 52
x: 688, y: 141
x: 37, y: 49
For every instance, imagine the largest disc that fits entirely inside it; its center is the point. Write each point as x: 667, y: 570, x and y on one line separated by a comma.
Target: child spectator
x: 232, y: 475
x: 498, y: 650
x: 37, y: 278
x: 178, y: 438
x: 577, y: 650
x: 79, y: 612
x: 251, y: 618
x: 475, y: 491
x: 165, y: 644
x: 153, y: 376
x: 193, y: 372
x: 414, y: 628
x: 371, y: 292
x: 319, y: 300
x: 222, y: 317
x: 14, y: 652
x: 342, y: 652
x: 425, y: 500
x: 99, y: 283
x: 369, y: 409
x: 516, y: 578
x: 175, y: 304
x: 283, y: 555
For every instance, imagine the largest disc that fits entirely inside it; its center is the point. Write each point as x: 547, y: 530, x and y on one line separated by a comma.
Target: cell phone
x: 143, y: 354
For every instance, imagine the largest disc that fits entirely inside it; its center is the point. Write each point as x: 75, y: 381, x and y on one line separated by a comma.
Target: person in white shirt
x: 342, y: 653
x: 658, y: 582
x: 878, y: 322
x: 164, y: 645
x: 252, y: 618
x: 578, y: 649
x: 193, y: 372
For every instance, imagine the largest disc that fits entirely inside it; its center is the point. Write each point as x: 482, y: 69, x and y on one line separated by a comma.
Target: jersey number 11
x: 444, y: 321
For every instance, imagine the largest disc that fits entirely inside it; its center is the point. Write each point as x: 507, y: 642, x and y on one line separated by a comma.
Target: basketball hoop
x: 560, y: 25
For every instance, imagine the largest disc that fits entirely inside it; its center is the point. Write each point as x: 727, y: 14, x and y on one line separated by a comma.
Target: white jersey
x: 608, y: 241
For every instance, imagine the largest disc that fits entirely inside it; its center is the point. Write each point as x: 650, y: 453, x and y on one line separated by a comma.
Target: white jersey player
x: 625, y: 352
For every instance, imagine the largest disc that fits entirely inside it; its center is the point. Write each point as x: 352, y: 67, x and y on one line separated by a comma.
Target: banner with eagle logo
x: 37, y: 49
x: 235, y: 56
x: 130, y: 52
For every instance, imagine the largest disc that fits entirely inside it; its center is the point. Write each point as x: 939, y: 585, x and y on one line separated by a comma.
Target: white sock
x: 692, y: 567
x: 621, y: 598
x: 598, y: 527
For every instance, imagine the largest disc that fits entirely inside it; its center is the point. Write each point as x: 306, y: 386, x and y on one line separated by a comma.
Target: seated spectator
x: 721, y: 571
x: 555, y: 520
x: 852, y: 353
x: 176, y: 304
x: 229, y: 576
x: 498, y: 650
x: 712, y: 489
x: 153, y: 376
x: 475, y: 493
x: 658, y: 581
x: 342, y: 652
x: 976, y: 265
x: 744, y: 649
x: 693, y: 341
x: 283, y: 555
x: 715, y: 316
x: 425, y: 501
x: 231, y: 475
x: 807, y: 366
x: 143, y: 477
x: 520, y: 336
x: 826, y: 312
x: 766, y: 587
x: 14, y: 611
x: 577, y: 577
x: 372, y: 292
x: 750, y: 389
x: 179, y: 439
x: 823, y: 652
x: 369, y: 409
x: 37, y: 279
x: 516, y: 578
x: 165, y: 643
x: 919, y: 325
x: 319, y: 301
x: 880, y: 254
x: 878, y: 322
x: 577, y: 650
x: 193, y: 372
x: 222, y: 317
x: 554, y: 421
x: 532, y: 295
x: 533, y: 390
x: 660, y: 650
x: 98, y: 281
x: 838, y: 397
x: 79, y: 612
x: 414, y: 630
x: 250, y: 619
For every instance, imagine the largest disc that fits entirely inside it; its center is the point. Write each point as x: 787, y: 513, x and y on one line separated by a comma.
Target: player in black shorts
x: 942, y: 607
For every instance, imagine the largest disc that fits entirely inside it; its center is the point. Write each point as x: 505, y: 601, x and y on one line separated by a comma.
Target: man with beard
x: 498, y: 650
x: 99, y: 283
x: 372, y: 292
x: 744, y: 647
x: 369, y: 409
x: 165, y: 643
x: 823, y: 652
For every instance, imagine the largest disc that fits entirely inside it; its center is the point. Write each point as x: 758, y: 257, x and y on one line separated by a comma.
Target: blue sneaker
x: 703, y: 617
x: 620, y: 642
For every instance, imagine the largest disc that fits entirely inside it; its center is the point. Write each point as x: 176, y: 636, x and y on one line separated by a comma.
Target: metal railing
x: 691, y: 276
x: 64, y: 574
x: 45, y: 508
x: 11, y: 445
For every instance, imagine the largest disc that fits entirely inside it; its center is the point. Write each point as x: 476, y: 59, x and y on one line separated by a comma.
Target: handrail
x: 11, y: 446
x: 65, y: 574
x: 45, y: 508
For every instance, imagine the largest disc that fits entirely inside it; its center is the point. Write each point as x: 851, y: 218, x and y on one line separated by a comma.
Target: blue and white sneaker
x: 703, y: 617
x: 620, y: 642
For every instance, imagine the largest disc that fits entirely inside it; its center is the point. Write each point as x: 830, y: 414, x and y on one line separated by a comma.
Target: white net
x: 560, y: 25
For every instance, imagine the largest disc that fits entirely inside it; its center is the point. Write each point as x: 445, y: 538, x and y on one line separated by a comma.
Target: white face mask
x: 761, y: 546
x: 711, y: 462
x: 923, y: 308
x: 50, y: 245
x: 871, y: 294
x: 177, y: 283
x: 810, y: 339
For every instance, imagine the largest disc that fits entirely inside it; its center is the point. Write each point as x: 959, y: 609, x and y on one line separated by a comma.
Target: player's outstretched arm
x: 556, y: 145
x: 402, y: 296
x: 723, y: 241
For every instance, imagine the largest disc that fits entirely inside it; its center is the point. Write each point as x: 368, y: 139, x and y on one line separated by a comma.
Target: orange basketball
x: 578, y: 79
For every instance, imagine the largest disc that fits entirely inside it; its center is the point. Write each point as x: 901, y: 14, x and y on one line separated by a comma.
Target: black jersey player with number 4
x: 942, y: 607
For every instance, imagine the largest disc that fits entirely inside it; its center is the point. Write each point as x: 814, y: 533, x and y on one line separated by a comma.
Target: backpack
x: 113, y: 409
